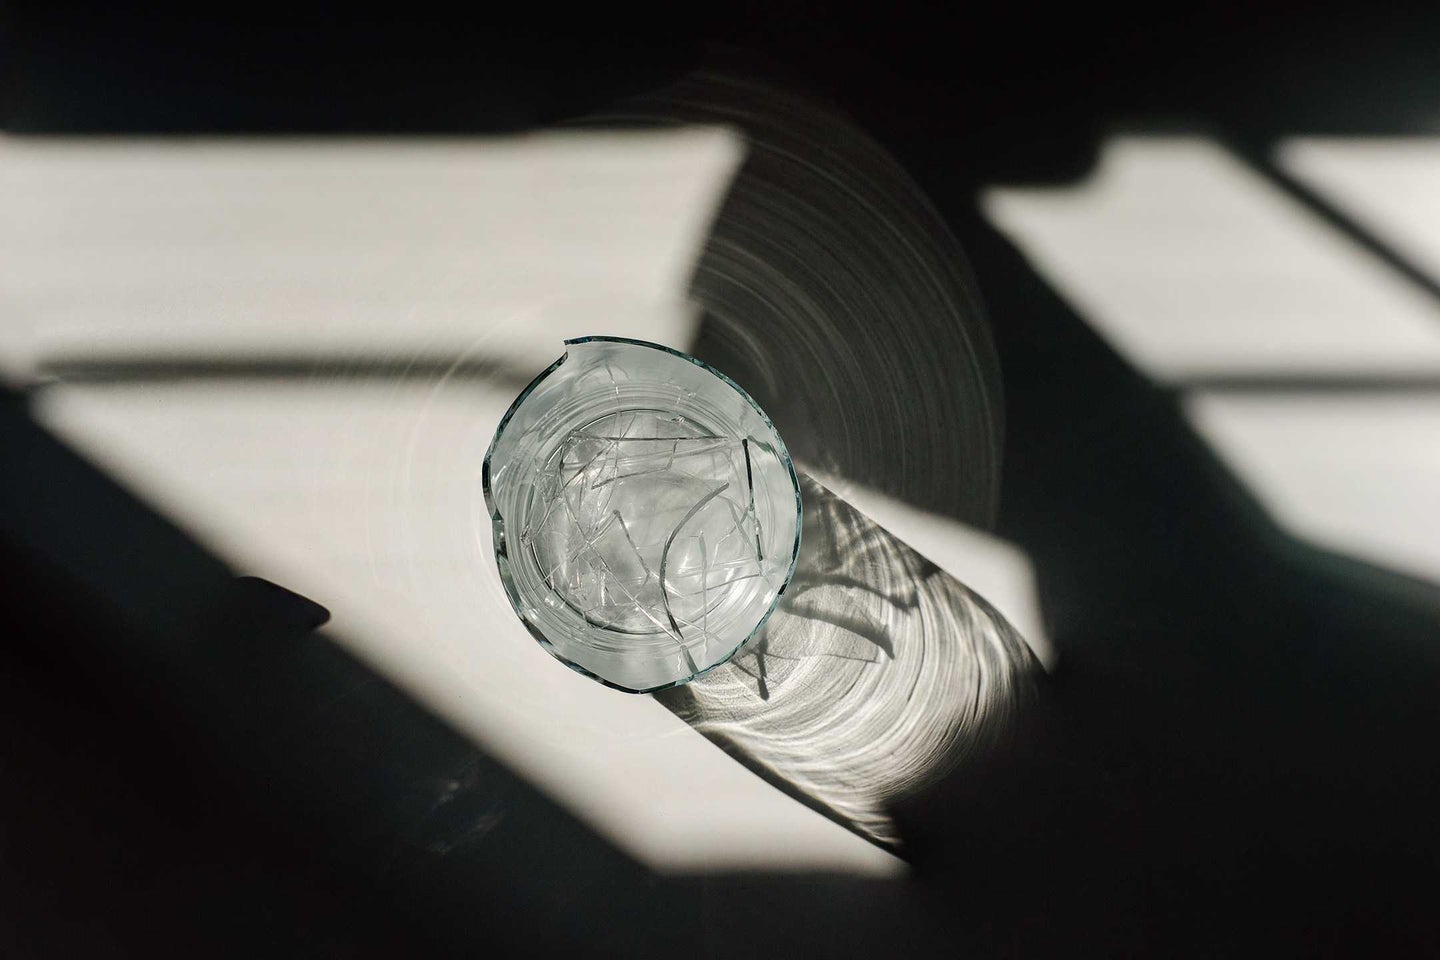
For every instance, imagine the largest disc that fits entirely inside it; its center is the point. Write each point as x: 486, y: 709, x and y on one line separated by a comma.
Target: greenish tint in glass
x: 645, y: 510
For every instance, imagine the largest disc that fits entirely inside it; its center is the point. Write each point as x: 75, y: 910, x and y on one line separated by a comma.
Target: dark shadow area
x: 184, y: 68
x: 101, y: 369
x: 874, y: 678
x: 1417, y: 384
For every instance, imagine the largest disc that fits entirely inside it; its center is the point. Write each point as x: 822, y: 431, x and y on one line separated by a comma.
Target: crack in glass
x: 657, y: 513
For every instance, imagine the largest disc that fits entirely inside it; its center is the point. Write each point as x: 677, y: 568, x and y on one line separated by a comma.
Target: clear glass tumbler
x: 646, y: 513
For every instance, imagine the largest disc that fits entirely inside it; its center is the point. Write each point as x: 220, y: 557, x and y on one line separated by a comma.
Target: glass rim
x: 782, y: 454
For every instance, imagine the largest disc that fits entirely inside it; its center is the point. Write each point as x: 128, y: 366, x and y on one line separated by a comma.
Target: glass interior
x: 646, y: 513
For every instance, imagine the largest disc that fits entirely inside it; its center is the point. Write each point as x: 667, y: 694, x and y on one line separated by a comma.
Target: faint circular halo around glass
x: 645, y: 510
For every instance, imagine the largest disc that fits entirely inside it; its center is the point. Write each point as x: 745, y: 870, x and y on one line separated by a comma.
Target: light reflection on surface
x: 1312, y: 364
x: 358, y: 250
x: 1359, y: 474
x: 1191, y: 265
x: 1391, y: 185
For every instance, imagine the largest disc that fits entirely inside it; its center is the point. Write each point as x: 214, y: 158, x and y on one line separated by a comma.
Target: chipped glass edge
x: 498, y: 522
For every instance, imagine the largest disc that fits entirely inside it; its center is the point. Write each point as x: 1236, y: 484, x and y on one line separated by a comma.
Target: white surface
x: 161, y: 248
x: 368, y: 500
x: 1190, y: 264
x: 1390, y: 185
x: 365, y: 494
x: 1356, y: 474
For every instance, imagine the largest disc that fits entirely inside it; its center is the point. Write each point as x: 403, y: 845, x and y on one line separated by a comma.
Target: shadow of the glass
x: 876, y: 675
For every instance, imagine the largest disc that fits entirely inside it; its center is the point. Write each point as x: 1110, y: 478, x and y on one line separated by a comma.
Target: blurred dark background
x: 1236, y: 754
x: 990, y: 87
